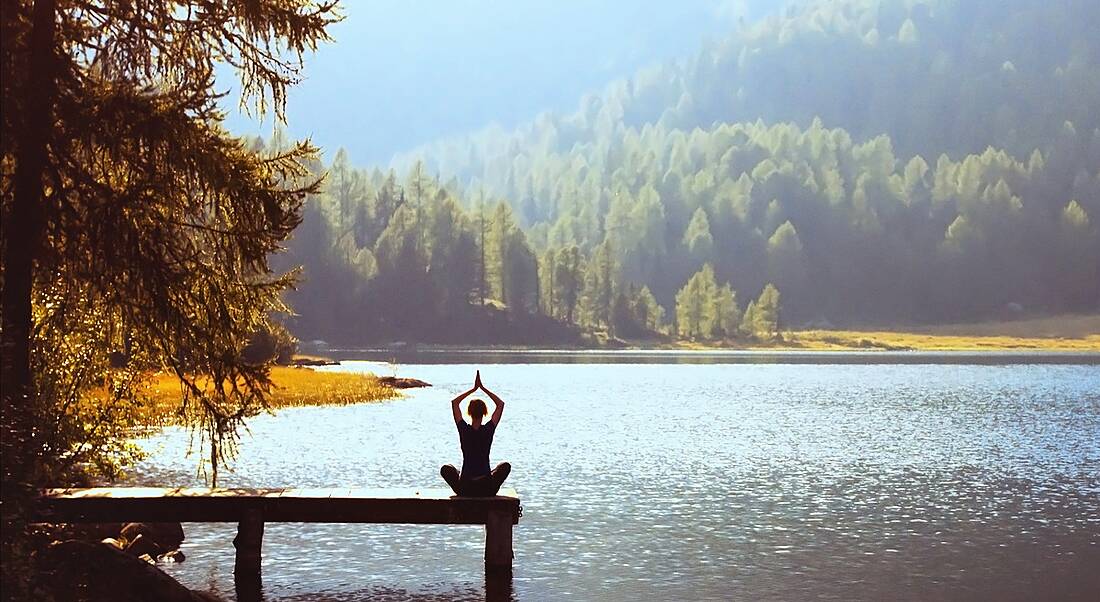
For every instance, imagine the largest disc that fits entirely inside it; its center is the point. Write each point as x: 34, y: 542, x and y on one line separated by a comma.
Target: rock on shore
x: 158, y: 538
x: 398, y: 382
x: 110, y: 561
x: 82, y: 570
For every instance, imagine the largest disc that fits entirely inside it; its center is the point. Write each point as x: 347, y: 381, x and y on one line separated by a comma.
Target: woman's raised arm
x: 498, y: 411
x: 457, y: 400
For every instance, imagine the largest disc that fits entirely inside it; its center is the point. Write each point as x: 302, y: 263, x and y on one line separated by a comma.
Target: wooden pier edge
x: 251, y: 508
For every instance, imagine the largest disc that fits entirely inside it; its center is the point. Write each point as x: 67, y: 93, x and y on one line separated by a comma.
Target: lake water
x: 697, y: 477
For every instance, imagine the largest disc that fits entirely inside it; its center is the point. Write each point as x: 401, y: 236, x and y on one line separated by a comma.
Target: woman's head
x: 477, y: 409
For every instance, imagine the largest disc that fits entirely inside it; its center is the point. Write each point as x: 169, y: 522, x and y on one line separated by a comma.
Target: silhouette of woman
x: 476, y: 438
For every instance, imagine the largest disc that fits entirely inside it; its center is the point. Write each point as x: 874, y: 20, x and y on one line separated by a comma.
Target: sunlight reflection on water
x: 758, y: 481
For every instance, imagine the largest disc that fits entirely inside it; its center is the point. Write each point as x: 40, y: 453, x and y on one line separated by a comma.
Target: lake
x: 679, y: 476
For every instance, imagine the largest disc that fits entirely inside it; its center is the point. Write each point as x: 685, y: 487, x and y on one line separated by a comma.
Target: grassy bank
x: 890, y: 340
x: 1057, y: 333
x: 294, y: 387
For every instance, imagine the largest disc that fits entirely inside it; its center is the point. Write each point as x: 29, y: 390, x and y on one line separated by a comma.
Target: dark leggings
x: 483, y: 486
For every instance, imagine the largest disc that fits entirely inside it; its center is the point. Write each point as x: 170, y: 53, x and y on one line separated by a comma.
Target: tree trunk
x: 23, y: 231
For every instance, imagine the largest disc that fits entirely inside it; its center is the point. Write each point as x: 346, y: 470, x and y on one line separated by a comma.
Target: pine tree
x: 727, y: 311
x: 127, y: 206
x: 547, y: 271
x: 696, y: 314
x: 648, y: 314
x: 767, y: 312
x: 598, y: 288
x: 568, y: 280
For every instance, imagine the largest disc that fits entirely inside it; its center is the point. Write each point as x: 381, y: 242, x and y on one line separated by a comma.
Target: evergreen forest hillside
x: 845, y: 163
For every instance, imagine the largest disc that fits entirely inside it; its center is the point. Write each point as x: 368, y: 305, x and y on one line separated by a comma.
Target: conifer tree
x: 123, y: 195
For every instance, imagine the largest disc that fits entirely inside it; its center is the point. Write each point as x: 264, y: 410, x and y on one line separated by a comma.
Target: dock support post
x: 498, y: 542
x: 249, y: 541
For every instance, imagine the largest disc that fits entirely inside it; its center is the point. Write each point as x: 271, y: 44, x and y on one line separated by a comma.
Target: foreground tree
x: 127, y: 205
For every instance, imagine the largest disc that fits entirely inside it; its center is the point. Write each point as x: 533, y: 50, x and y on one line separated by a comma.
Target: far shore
x: 1056, y: 333
x: 1069, y: 333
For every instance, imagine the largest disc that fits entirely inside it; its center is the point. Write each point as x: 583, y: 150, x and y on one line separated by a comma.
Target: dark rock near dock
x: 166, y: 536
x: 81, y: 570
x: 154, y: 539
x: 141, y: 545
x: 402, y: 383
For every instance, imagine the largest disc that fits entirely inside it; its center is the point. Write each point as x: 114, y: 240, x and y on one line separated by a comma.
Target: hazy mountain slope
x: 401, y: 73
x: 669, y: 203
x: 937, y: 76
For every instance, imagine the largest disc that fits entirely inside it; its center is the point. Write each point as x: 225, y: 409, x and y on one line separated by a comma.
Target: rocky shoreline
x: 110, y: 562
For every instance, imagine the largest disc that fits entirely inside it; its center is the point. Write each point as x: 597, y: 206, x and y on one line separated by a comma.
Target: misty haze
x: 786, y: 299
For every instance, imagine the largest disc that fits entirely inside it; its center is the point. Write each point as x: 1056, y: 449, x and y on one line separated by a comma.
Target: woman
x: 476, y: 438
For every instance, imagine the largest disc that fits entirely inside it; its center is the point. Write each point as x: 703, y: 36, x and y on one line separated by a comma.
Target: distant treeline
x: 665, y: 205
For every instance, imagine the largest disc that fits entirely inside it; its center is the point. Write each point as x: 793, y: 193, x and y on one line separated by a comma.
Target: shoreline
x: 806, y: 341
x: 1065, y: 333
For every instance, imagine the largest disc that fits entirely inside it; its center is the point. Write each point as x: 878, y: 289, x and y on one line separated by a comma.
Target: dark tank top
x: 475, y: 448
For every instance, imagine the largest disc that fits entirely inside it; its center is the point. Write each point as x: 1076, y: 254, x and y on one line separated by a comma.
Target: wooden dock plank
x: 251, y: 508
x: 307, y: 505
x: 317, y: 492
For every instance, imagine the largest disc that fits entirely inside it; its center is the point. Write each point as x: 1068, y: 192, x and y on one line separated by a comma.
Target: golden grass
x: 849, y: 339
x: 1054, y: 333
x: 1068, y: 326
x: 293, y: 387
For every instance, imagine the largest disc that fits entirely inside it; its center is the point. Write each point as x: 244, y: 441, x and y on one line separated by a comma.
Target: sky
x: 402, y: 73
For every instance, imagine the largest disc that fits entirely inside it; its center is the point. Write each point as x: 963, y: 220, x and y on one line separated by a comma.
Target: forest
x: 830, y: 166
x: 854, y: 163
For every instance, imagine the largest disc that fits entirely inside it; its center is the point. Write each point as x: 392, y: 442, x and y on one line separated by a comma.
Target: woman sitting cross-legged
x: 476, y: 438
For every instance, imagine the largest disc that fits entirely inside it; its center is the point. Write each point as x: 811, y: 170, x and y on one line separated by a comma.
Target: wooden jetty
x: 251, y: 508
